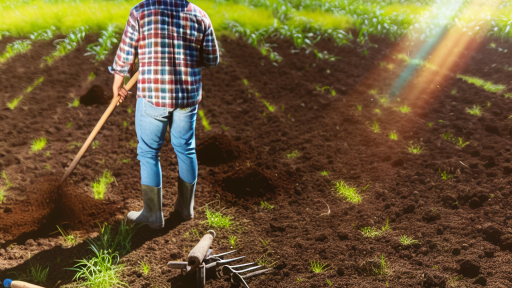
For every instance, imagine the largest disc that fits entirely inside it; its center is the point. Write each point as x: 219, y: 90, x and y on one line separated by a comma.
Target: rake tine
x: 249, y: 269
x: 229, y: 269
x: 242, y: 281
x: 241, y: 265
x: 221, y: 262
x: 224, y: 254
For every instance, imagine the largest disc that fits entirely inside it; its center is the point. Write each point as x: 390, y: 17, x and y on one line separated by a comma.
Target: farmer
x: 172, y: 39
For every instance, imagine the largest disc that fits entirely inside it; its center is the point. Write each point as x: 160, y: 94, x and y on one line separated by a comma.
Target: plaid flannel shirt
x: 172, y: 39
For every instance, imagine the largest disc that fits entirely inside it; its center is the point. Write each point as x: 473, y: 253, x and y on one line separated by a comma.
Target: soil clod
x: 95, y: 95
x: 216, y: 150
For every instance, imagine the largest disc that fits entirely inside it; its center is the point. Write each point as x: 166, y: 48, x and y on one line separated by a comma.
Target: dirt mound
x: 51, y: 204
x: 95, y: 95
x: 251, y: 182
x: 216, y: 150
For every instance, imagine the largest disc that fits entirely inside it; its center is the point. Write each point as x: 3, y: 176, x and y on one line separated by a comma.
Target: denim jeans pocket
x: 155, y: 112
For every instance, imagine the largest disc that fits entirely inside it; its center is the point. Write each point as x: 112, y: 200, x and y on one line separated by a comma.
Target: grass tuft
x: 14, y: 102
x: 393, y: 135
x: 269, y: 106
x: 371, y: 232
x: 415, y: 148
x: 406, y: 240
x: 145, y: 267
x: 445, y: 175
x: 217, y: 220
x: 204, y: 121
x: 404, y: 109
x: 233, y: 241
x: 38, y: 274
x: 265, y: 205
x: 318, y: 267
x: 324, y: 173
x: 70, y: 239
x: 461, y: 143
x: 38, y: 144
x: 293, y: 154
x: 486, y: 85
x: 349, y: 193
x: 476, y: 110
x: 99, y: 186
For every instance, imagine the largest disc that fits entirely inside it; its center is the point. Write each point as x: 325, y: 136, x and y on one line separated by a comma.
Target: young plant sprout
x: 233, y: 241
x: 265, y: 243
x: 447, y: 136
x: 293, y: 154
x: 430, y: 124
x: 106, y: 42
x: 393, y: 135
x: 329, y: 282
x: 145, y: 267
x: 265, y: 205
x: 476, y: 110
x: 99, y: 186
x: 461, y: 143
x: 406, y: 240
x: 319, y: 267
x: 38, y: 144
x: 95, y: 144
x: 217, y: 220
x: 70, y: 239
x: 445, y: 175
x: 91, y: 77
x: 383, y: 270
x: 486, y: 85
x: 371, y: 232
x: 12, y: 49
x: 64, y: 46
x: 324, y: 173
x: 269, y: 107
x: 130, y: 110
x: 375, y: 127
x: 359, y: 107
x: 204, y: 120
x: 38, y: 274
x: 14, y: 102
x: 415, y: 148
x: 348, y: 193
x: 404, y: 109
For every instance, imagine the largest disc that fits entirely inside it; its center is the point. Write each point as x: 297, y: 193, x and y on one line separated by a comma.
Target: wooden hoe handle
x: 19, y: 284
x: 196, y: 256
x: 96, y: 129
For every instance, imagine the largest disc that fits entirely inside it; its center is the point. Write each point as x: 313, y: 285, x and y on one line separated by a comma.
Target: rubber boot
x: 152, y: 213
x: 185, y: 200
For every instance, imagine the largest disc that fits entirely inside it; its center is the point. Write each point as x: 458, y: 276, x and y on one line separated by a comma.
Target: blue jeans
x: 151, y: 125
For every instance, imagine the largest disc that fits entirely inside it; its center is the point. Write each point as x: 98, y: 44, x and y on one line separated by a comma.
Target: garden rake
x: 103, y: 119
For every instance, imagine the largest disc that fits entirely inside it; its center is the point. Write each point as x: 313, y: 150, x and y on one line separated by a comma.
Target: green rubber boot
x: 152, y: 213
x: 185, y: 201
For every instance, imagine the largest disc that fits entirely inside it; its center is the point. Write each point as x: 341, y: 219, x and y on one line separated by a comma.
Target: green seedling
x: 75, y: 103
x: 99, y: 186
x: 393, y: 135
x: 14, y: 102
x: 265, y: 205
x: 125, y: 124
x: 193, y: 232
x: 107, y: 40
x: 125, y: 159
x: 133, y: 144
x: 373, y: 92
x: 206, y: 125
x: 145, y: 267
x: 45, y: 34
x: 299, y: 280
x: 442, y: 121
x: 359, y: 107
x: 293, y: 154
x: 38, y: 144
x: 64, y: 46
x: 404, y: 109
x: 377, y: 111
x: 318, y: 267
x: 476, y: 110
x: 447, y: 136
x: 265, y: 243
x: 375, y: 127
x: 486, y: 85
x: 266, y: 262
x: 91, y: 77
x: 492, y: 45
x: 74, y: 144
x: 430, y: 124
x: 7, y: 182
x: 415, y: 148
x: 371, y: 232
x: 130, y: 110
x: 46, y: 166
x: 366, y: 187
x: 95, y: 144
x: 386, y: 228
x: 329, y: 282
x: 224, y: 127
x: 445, y: 175
x: 233, y: 241
x: 217, y: 220
x: 101, y: 270
x: 70, y: 239
x: 434, y: 267
x: 324, y: 173
x: 34, y: 85
x: 48, y: 154
x: 383, y: 270
x: 461, y: 143
x: 508, y: 95
x: 453, y: 282
x: 349, y: 193
x: 246, y: 83
x: 406, y: 240
x: 69, y: 124
x: 38, y: 274
x: 454, y: 91
x: 12, y: 49
x: 269, y: 107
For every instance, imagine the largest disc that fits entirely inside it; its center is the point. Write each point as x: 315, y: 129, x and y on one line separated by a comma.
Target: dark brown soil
x: 462, y: 224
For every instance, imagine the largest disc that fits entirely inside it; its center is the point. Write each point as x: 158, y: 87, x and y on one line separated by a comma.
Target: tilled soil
x: 462, y: 223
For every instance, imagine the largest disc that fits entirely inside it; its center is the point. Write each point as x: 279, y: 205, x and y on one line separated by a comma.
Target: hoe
x: 103, y: 119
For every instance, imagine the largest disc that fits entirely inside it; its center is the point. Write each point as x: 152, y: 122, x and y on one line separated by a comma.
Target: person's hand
x: 117, y: 90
